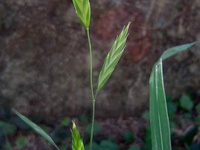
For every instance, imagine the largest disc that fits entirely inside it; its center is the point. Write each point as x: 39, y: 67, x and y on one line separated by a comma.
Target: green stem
x: 91, y: 86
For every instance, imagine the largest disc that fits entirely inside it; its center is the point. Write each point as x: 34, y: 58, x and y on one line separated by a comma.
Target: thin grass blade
x: 112, y: 58
x: 83, y: 11
x: 160, y: 130
x: 77, y: 143
x: 35, y: 127
x: 177, y: 49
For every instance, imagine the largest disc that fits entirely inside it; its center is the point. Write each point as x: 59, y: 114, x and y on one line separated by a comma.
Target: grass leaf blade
x: 112, y: 58
x: 160, y: 129
x: 175, y: 50
x: 158, y: 110
x: 35, y: 127
x: 77, y: 143
x: 83, y: 11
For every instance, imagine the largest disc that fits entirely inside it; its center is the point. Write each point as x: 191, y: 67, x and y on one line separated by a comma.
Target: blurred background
x: 44, y: 71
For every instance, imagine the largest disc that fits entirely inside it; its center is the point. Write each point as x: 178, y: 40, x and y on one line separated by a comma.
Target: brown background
x: 44, y: 64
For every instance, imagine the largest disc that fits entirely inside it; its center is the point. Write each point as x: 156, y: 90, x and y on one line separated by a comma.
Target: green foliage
x: 172, y: 108
x: 96, y: 128
x: 147, y: 138
x: 36, y: 128
x: 104, y: 145
x: 95, y: 146
x: 64, y: 147
x: 134, y: 148
x: 186, y: 102
x: 83, y: 118
x: 7, y: 128
x: 77, y: 143
x: 187, y: 116
x: 198, y: 108
x: 66, y: 122
x: 83, y: 11
x: 128, y: 137
x: 160, y: 130
x: 109, y: 145
x: 146, y: 115
x: 21, y: 141
x: 112, y: 58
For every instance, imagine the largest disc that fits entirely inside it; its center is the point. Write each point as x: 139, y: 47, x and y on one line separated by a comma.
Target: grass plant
x: 160, y: 130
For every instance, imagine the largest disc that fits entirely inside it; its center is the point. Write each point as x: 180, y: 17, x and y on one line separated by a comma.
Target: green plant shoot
x: 112, y: 58
x: 83, y: 11
x: 77, y: 143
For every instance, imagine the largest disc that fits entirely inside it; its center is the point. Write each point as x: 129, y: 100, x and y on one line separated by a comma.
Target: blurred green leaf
x: 187, y: 116
x: 21, y: 141
x: 146, y: 115
x: 197, y: 120
x: 66, y: 122
x: 198, y: 108
x: 83, y: 11
x: 134, y: 148
x: 45, y: 128
x: 112, y: 58
x: 186, y: 102
x: 64, y: 147
x: 7, y: 128
x: 77, y: 143
x: 35, y: 127
x: 128, y: 137
x: 172, y: 108
x: 96, y: 128
x: 95, y: 146
x: 109, y: 145
x: 147, y: 138
x: 83, y: 118
x: 169, y: 98
x: 173, y: 125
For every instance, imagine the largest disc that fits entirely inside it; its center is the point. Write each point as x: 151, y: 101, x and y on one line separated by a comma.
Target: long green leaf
x: 36, y: 128
x: 83, y: 11
x: 112, y: 58
x: 160, y: 130
x: 77, y: 143
x: 174, y: 50
x: 158, y: 110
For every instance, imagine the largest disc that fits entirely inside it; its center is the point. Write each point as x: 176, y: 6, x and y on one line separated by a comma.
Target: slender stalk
x: 92, y: 88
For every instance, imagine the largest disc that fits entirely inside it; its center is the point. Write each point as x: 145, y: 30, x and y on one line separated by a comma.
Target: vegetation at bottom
x: 184, y: 116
